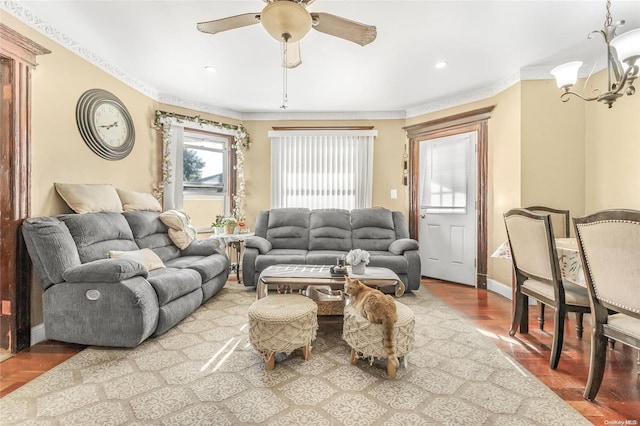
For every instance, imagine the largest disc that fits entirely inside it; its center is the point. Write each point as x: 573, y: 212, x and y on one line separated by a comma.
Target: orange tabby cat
x: 377, y: 308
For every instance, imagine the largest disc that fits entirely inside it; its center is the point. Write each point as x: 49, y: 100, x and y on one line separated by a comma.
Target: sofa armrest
x: 262, y: 244
x: 205, y: 247
x: 105, y: 270
x: 402, y: 245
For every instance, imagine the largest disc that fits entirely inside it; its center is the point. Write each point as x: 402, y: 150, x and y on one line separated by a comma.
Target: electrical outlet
x: 394, y: 194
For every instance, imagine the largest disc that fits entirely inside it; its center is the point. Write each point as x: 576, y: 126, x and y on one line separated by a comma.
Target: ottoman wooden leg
x: 306, y: 352
x: 391, y: 369
x: 271, y: 361
x: 354, y: 357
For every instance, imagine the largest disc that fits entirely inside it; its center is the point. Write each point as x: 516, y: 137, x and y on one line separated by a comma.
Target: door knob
x: 422, y: 216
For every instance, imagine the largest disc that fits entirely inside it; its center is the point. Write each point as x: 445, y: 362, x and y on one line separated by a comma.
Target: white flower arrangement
x: 356, y: 256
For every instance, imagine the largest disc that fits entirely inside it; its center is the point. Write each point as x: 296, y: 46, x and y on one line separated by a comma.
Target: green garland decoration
x: 241, y: 144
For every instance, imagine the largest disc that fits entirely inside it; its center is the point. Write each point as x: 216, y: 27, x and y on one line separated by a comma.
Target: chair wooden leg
x: 541, y: 315
x: 271, y: 361
x: 558, y: 337
x: 520, y: 314
x: 596, y: 363
x: 354, y: 357
x: 579, y: 327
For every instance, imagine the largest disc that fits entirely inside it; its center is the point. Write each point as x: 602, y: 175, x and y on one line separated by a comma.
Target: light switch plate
x: 394, y: 194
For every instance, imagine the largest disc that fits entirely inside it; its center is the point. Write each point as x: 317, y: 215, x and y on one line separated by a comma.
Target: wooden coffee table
x: 298, y: 277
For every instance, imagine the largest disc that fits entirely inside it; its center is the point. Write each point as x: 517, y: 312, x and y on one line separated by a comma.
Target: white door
x: 447, y: 198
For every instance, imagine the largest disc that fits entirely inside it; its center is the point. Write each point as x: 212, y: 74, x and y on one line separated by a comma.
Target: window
x: 445, y: 187
x: 205, y: 165
x: 322, y: 168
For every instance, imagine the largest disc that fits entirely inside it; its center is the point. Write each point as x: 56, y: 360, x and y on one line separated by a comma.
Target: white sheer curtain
x: 322, y: 168
x: 173, y: 198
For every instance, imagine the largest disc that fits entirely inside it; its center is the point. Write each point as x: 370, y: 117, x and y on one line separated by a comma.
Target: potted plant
x: 357, y: 258
x: 218, y: 224
x: 229, y: 224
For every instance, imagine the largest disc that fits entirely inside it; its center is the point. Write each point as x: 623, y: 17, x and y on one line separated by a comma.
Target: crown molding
x: 465, y: 97
x: 199, y: 106
x: 314, y: 116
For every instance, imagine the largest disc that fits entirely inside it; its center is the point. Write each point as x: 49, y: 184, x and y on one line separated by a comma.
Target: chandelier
x: 623, y: 54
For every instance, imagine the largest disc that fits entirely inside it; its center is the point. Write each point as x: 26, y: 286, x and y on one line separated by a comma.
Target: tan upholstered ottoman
x: 282, y: 323
x: 365, y: 338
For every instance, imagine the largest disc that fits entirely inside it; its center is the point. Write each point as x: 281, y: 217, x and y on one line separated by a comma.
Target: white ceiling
x: 488, y: 45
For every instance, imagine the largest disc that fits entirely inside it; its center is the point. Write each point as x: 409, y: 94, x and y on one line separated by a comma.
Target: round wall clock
x: 105, y: 124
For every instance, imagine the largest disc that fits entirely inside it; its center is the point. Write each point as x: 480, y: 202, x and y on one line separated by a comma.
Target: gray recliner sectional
x: 319, y: 237
x: 92, y: 300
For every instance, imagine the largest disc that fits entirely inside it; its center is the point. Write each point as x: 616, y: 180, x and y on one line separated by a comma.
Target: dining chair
x: 538, y: 275
x: 560, y: 220
x: 609, y: 245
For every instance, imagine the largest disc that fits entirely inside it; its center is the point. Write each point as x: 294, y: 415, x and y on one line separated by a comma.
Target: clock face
x: 110, y: 124
x: 105, y: 124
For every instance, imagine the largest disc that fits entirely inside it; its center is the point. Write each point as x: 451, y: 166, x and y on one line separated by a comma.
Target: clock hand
x: 108, y: 126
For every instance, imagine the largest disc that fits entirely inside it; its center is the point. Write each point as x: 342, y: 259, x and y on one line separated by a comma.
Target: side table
x: 234, y: 243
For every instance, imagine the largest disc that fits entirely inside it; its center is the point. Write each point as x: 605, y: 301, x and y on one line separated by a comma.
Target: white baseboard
x: 37, y: 334
x: 503, y: 289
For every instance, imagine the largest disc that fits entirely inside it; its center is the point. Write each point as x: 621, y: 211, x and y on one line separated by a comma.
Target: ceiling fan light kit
x: 623, y: 63
x: 286, y: 17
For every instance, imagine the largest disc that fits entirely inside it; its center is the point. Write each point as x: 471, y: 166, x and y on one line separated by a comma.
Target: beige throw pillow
x: 181, y: 232
x: 145, y: 256
x: 132, y: 200
x: 89, y: 198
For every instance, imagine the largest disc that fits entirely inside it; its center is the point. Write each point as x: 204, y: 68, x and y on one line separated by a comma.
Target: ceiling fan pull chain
x: 285, y: 97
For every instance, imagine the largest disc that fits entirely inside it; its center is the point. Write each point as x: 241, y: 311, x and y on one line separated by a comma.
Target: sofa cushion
x: 330, y: 229
x: 372, y: 229
x: 386, y: 259
x: 149, y: 232
x: 97, y: 233
x: 207, y: 266
x: 280, y: 256
x: 289, y: 228
x: 324, y: 257
x: 170, y: 283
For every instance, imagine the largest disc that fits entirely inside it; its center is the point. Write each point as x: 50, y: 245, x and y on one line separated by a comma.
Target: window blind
x: 322, y: 168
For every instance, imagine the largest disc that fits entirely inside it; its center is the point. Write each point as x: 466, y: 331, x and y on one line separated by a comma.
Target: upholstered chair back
x: 560, y: 220
x: 610, y: 246
x: 531, y: 249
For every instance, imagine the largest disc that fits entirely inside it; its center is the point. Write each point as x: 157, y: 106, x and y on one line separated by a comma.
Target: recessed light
x: 441, y: 64
x: 210, y: 68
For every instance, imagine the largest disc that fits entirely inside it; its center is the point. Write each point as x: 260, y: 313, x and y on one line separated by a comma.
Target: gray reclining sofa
x: 92, y: 300
x: 319, y: 237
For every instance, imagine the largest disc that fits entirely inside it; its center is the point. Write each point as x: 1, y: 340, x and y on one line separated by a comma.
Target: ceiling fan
x: 288, y: 21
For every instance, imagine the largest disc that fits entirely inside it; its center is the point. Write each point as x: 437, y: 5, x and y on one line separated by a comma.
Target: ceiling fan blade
x: 230, y: 23
x: 293, y: 58
x: 347, y: 29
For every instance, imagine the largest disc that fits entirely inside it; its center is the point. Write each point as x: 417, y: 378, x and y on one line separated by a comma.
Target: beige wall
x: 552, y: 148
x: 612, y: 157
x: 387, y: 162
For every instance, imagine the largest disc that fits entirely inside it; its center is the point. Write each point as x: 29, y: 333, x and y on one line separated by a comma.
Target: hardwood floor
x: 617, y: 401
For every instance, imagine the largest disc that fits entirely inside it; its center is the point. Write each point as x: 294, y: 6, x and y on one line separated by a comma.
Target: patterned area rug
x: 204, y: 371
